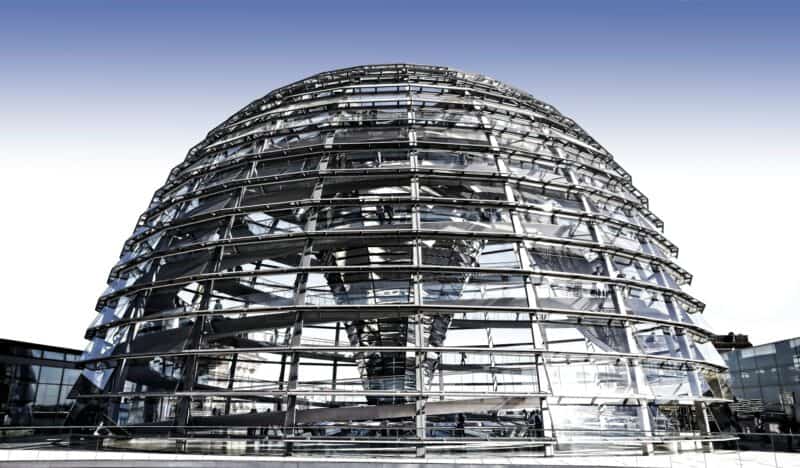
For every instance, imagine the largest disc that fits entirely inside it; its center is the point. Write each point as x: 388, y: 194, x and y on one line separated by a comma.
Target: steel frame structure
x: 407, y: 254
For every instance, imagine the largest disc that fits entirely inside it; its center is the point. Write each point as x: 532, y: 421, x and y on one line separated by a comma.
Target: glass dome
x: 399, y: 253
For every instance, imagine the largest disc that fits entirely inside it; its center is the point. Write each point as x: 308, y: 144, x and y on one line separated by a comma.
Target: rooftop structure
x: 730, y: 342
x: 35, y: 383
x: 765, y: 381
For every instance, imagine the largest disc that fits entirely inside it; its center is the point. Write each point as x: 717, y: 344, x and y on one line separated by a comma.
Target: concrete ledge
x: 90, y: 459
x: 270, y: 464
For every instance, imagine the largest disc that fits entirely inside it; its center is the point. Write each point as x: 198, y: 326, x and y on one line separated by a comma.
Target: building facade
x: 406, y: 253
x: 35, y: 383
x: 765, y: 381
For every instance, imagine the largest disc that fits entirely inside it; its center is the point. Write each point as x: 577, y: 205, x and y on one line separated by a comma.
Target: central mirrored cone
x: 398, y: 253
x: 398, y: 370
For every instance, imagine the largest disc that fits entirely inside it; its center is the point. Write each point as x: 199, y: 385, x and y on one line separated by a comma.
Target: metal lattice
x: 405, y: 253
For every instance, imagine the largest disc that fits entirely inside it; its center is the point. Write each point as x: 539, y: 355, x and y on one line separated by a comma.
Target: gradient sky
x: 698, y: 100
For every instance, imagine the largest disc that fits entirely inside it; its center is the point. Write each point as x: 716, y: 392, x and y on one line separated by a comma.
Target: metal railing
x: 362, y: 440
x: 397, y: 439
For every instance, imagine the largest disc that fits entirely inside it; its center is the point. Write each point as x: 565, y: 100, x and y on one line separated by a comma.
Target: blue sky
x: 698, y: 100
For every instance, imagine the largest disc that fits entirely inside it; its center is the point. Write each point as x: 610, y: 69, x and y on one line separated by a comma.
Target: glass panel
x: 768, y: 376
x: 185, y: 264
x: 364, y: 216
x: 623, y: 213
x: 470, y: 253
x: 209, y: 204
x: 47, y: 395
x: 534, y: 170
x: 504, y: 123
x: 372, y: 134
x: 457, y: 117
x: 642, y: 270
x: 275, y: 167
x: 64, y: 399
x: 50, y: 375
x: 476, y: 289
x: 99, y: 378
x: 222, y: 155
x: 715, y: 384
x: 313, y: 137
x: 357, y: 251
x: 585, y: 338
x: 705, y: 351
x: 549, y: 200
x: 308, y: 118
x: 766, y: 360
x: 338, y: 288
x: 603, y: 377
x: 658, y: 341
x: 147, y: 410
x: 579, y: 421
x: 261, y: 290
x: 785, y: 353
x: 668, y: 382
x: 462, y: 161
x: 70, y: 377
x: 731, y: 360
x: 646, y: 303
x: 143, y: 247
x: 452, y: 135
x: 495, y: 254
x: 374, y: 116
x: 597, y: 180
x: 207, y: 231
x: 593, y: 179
x: 369, y: 160
x: 356, y: 186
x: 747, y: 359
x: 56, y: 355
x: 278, y: 192
x: 486, y: 373
x: 272, y: 222
x: 558, y: 293
x: 182, y: 189
x: 789, y: 375
x: 749, y: 378
x: 226, y: 175
x: 735, y: 380
x: 550, y: 225
x: 565, y: 259
x: 462, y: 189
x: 516, y: 142
x: 264, y: 256
x: 465, y: 218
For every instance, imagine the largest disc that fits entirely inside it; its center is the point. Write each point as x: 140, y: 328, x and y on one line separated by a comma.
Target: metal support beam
x: 639, y: 380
